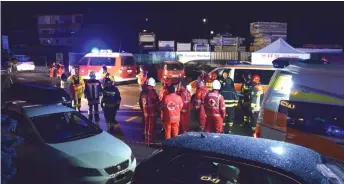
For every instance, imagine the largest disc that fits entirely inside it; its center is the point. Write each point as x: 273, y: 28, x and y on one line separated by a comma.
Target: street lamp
x: 204, y: 20
x: 146, y: 19
x: 211, y: 32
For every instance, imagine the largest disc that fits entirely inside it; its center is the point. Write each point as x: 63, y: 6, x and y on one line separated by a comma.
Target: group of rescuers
x: 214, y: 107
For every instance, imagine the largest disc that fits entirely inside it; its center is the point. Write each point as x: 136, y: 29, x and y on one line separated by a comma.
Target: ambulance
x: 236, y: 73
x: 304, y: 105
x: 120, y: 65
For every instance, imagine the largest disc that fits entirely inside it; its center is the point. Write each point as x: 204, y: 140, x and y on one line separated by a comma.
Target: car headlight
x: 132, y: 157
x: 82, y: 172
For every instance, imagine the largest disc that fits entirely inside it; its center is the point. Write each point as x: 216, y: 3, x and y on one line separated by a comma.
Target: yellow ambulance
x: 304, y: 105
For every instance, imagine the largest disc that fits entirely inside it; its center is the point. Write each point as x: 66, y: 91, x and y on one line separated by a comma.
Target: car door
x: 28, y: 150
x: 196, y: 169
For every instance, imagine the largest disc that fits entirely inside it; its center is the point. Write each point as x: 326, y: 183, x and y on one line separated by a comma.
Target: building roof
x: 298, y: 160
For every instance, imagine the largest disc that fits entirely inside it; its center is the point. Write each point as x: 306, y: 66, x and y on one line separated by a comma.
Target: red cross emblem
x: 171, y: 106
x: 212, y: 102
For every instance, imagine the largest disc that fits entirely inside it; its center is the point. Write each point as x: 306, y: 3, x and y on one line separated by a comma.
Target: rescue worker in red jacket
x: 93, y: 91
x: 215, y: 109
x: 77, y: 87
x: 172, y: 105
x: 185, y: 113
x: 163, y: 92
x: 198, y: 104
x: 149, y: 103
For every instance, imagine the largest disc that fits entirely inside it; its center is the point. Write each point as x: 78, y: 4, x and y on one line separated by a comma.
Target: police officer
x: 257, y: 95
x: 93, y: 91
x: 231, y: 101
x: 76, y: 86
x: 246, y: 90
x: 110, y: 103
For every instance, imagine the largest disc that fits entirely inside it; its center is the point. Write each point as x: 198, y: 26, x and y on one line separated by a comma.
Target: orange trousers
x: 184, y: 121
x: 149, y: 129
x: 171, y: 127
x: 214, y: 124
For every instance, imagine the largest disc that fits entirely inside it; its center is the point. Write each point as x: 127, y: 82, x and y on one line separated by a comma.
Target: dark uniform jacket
x: 111, y: 97
x: 93, y: 91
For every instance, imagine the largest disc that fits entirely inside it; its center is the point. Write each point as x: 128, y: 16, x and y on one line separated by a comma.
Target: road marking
x: 132, y: 118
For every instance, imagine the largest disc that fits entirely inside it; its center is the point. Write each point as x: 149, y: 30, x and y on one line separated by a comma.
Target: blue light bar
x: 95, y: 50
x: 233, y: 62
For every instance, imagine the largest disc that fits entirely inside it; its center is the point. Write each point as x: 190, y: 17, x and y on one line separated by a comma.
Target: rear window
x: 265, y: 75
x: 175, y: 66
x: 128, y: 61
x: 314, y: 118
x: 99, y: 61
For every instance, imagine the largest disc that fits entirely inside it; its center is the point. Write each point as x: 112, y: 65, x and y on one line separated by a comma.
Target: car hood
x: 99, y: 151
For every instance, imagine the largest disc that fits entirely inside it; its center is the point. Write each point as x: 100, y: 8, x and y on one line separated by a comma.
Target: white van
x: 304, y: 104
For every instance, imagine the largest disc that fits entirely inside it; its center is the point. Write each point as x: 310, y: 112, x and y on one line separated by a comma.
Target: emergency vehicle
x: 236, y: 73
x: 304, y: 105
x: 171, y: 71
x: 120, y: 65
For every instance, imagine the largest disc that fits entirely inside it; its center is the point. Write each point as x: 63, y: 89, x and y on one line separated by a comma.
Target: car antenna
x: 202, y: 135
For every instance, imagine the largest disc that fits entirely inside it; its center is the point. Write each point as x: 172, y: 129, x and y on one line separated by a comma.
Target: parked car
x: 62, y: 146
x: 222, y: 158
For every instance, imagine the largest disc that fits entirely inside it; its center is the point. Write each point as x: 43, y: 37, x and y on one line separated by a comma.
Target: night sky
x: 115, y: 22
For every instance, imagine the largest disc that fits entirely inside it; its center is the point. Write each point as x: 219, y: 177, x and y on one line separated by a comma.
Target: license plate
x: 130, y: 71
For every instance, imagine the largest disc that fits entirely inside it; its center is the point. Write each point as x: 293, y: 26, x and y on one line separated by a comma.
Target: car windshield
x: 175, y: 66
x: 128, y: 61
x: 336, y: 167
x: 64, y: 127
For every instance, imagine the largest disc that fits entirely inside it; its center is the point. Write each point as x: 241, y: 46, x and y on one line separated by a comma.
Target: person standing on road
x: 172, y: 105
x: 54, y: 73
x: 149, y: 103
x: 257, y: 95
x: 231, y: 101
x: 106, y: 74
x: 142, y: 77
x: 246, y: 91
x: 185, y: 113
x: 93, y: 91
x: 110, y: 103
x: 198, y: 104
x: 77, y: 87
x: 215, y: 109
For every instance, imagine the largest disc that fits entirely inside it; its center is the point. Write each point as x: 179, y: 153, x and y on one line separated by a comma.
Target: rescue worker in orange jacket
x: 198, y: 104
x: 172, y: 105
x: 142, y: 77
x: 149, y: 103
x: 77, y: 87
x: 185, y: 113
x: 215, y: 109
x: 163, y: 92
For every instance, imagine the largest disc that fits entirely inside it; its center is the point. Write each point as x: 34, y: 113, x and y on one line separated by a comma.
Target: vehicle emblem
x: 119, y: 167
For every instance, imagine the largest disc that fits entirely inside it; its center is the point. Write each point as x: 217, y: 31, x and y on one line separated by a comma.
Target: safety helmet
x: 213, y: 76
x: 256, y: 78
x: 92, y: 75
x: 76, y: 67
x: 216, y: 85
x: 151, y: 82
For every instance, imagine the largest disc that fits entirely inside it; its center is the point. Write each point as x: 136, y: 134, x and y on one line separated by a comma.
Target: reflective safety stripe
x: 198, y: 101
x: 223, y: 108
x: 230, y: 101
x: 110, y: 93
x: 185, y: 110
x: 214, y: 115
x: 186, y: 101
x: 150, y: 114
x: 197, y: 106
x: 174, y: 117
x: 213, y: 94
x: 230, y: 105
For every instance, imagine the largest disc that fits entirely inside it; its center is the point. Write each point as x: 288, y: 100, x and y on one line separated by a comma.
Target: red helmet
x: 256, y: 78
x: 213, y: 76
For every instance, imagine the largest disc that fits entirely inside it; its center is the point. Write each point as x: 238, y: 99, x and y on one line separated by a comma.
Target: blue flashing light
x: 95, y: 50
x: 233, y: 62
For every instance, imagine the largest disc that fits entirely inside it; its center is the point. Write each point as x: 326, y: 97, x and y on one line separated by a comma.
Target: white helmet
x: 216, y: 85
x: 151, y: 82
